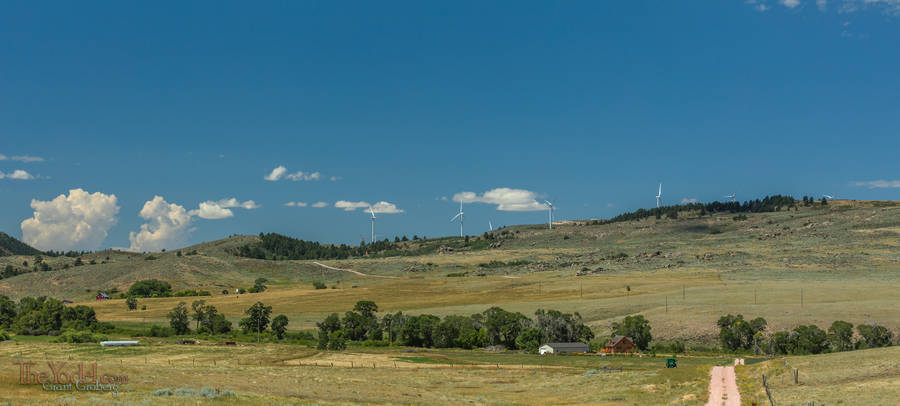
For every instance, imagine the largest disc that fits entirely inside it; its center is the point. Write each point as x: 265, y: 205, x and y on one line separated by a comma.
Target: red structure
x: 102, y: 296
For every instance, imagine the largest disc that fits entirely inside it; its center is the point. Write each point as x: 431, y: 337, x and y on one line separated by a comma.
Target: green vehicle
x: 671, y: 362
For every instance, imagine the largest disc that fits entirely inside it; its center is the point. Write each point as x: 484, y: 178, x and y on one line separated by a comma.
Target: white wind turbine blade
x: 455, y: 217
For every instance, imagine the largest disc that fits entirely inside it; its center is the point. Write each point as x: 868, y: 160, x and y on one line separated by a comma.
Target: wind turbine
x: 490, y: 225
x: 372, y: 212
x: 550, y: 210
x: 732, y: 196
x: 659, y: 196
x: 829, y: 197
x: 461, y: 217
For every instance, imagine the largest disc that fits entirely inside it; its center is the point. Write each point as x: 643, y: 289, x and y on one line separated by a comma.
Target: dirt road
x: 723, y: 387
x: 353, y: 272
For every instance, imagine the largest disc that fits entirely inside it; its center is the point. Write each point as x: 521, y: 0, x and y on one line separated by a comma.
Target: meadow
x: 814, y: 265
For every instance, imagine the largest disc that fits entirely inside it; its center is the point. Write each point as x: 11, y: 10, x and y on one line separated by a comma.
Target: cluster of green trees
x: 635, y: 327
x: 46, y: 316
x: 767, y: 204
x: 208, y: 320
x: 150, y: 288
x: 279, y: 247
x: 494, y: 326
x: 735, y: 333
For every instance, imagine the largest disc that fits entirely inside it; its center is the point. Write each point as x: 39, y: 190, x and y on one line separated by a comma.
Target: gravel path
x: 353, y: 272
x: 723, y: 387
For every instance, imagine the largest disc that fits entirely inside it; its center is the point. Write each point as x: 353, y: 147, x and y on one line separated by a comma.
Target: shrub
x: 4, y: 335
x: 185, y: 392
x: 319, y: 285
x: 159, y: 331
x: 131, y: 302
x: 162, y: 392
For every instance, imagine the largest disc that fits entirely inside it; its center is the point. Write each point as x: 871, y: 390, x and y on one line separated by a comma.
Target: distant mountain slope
x: 12, y: 246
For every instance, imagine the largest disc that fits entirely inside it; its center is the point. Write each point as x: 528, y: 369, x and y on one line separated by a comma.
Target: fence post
x: 796, y: 377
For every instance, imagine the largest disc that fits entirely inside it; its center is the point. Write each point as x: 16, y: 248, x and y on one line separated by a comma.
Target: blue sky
x: 590, y: 104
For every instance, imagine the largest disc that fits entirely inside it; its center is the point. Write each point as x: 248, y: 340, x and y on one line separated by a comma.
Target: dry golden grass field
x: 810, y: 266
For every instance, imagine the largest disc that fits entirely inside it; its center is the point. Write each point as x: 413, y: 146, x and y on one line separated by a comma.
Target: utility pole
x: 682, y: 292
x: 581, y: 286
x: 801, y: 297
x: 667, y: 304
x: 754, y: 296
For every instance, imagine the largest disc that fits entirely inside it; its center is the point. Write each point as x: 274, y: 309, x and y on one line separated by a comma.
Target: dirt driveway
x: 723, y: 387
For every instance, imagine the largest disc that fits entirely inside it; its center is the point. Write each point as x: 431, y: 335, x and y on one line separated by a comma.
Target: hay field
x: 279, y: 374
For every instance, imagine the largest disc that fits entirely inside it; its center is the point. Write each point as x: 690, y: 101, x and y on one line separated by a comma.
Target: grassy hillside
x: 12, y: 246
x: 680, y: 273
x: 864, y: 377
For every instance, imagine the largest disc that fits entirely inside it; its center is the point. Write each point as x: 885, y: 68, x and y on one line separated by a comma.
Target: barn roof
x: 616, y: 339
x: 567, y: 345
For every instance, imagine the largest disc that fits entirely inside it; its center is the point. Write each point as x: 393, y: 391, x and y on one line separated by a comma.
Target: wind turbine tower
x: 461, y: 217
x: 659, y: 196
x: 550, y: 209
x: 372, y: 212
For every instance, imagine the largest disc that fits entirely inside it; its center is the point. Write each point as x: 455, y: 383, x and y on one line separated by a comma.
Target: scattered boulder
x: 446, y: 250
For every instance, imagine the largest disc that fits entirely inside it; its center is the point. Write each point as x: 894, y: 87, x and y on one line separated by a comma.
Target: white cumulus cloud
x: 281, y: 172
x: 790, y: 3
x: 881, y: 183
x: 166, y: 227
x: 320, y: 205
x: 690, y: 200
x: 77, y: 221
x: 385, y: 207
x: 506, y: 199
x: 296, y: 204
x: 276, y: 174
x: 211, y: 210
x: 17, y: 174
x: 350, y: 206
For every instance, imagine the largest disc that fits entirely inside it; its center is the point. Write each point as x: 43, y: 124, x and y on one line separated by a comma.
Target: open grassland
x: 864, y: 377
x: 815, y: 266
x: 812, y: 266
x: 839, y: 261
x: 279, y: 374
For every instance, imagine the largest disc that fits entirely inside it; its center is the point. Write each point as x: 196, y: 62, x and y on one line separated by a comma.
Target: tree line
x: 208, y: 320
x: 274, y: 246
x: 492, y: 327
x: 46, y: 316
x: 766, y: 204
x: 735, y: 333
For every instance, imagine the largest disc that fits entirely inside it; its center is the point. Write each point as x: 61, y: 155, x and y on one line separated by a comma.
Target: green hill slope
x: 12, y: 246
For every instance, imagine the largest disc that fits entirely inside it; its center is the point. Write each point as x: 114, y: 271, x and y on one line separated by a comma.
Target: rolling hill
x: 811, y: 265
x: 12, y: 246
